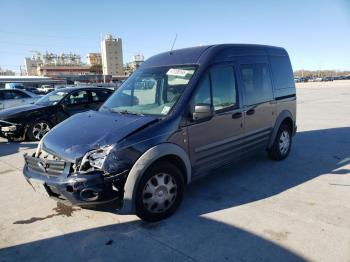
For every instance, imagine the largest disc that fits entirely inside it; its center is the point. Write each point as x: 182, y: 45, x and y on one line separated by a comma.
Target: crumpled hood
x: 83, y: 132
x: 10, y: 112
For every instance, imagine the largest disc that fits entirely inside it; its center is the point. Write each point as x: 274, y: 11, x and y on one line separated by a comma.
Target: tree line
x: 320, y: 73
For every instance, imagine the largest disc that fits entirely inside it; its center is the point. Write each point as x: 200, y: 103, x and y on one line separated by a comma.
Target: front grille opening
x: 51, y: 167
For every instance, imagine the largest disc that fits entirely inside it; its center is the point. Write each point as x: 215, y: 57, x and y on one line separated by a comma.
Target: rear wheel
x: 282, y: 144
x: 38, y: 129
x: 159, y: 192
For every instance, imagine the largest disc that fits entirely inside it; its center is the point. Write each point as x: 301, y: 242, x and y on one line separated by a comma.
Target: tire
x: 282, y: 144
x: 159, y: 192
x: 38, y: 129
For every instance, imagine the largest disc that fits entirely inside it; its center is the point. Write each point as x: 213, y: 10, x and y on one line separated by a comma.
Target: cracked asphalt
x: 256, y: 210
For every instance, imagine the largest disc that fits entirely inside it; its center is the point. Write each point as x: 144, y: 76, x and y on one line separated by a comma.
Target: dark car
x: 34, y: 120
x: 327, y: 78
x: 180, y: 115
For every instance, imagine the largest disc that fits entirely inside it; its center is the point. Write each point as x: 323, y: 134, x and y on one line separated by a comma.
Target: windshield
x: 52, y: 98
x: 152, y: 91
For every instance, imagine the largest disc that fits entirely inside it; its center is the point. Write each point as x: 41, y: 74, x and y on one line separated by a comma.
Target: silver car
x: 16, y: 97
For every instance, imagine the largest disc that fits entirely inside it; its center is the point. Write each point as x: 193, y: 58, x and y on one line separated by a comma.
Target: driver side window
x: 217, y: 88
x: 202, y: 94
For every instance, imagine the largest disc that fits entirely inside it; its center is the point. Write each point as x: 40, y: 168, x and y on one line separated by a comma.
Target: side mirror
x: 202, y: 112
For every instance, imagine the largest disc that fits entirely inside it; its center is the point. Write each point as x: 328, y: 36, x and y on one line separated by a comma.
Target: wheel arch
x: 166, y: 151
x: 284, y: 117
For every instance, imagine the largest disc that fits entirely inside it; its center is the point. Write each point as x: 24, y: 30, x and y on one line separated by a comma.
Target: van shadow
x: 190, y: 234
x: 9, y: 148
x: 313, y: 153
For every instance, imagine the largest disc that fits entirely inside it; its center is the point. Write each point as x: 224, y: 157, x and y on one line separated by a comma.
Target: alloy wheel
x: 40, y: 129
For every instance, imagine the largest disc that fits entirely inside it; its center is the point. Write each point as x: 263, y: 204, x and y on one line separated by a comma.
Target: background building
x: 108, y: 62
x: 130, y: 67
x: 31, y: 65
x: 112, y: 56
x: 137, y: 60
x: 57, y: 70
x: 94, y: 59
x: 50, y: 64
x: 4, y: 72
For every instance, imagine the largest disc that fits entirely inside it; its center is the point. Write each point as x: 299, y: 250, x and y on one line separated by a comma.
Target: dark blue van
x: 180, y: 115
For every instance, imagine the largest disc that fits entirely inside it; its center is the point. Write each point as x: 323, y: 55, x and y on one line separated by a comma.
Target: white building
x: 137, y: 60
x: 5, y: 72
x: 31, y: 65
x: 112, y: 56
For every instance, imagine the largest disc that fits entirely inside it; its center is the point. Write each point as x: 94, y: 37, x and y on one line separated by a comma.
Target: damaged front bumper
x: 55, y: 179
x: 11, y: 130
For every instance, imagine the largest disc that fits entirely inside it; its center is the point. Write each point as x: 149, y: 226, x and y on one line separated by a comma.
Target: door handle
x: 251, y: 111
x: 237, y: 115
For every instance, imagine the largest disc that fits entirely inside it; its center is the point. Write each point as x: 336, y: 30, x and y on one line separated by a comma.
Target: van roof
x: 202, y: 54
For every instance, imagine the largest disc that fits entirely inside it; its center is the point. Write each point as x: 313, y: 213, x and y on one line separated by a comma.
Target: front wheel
x: 159, y: 192
x: 282, y: 144
x: 37, y: 130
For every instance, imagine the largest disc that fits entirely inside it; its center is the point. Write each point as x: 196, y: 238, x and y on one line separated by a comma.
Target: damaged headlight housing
x: 95, y: 158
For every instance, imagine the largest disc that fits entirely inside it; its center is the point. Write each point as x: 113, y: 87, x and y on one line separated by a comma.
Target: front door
x: 213, y: 142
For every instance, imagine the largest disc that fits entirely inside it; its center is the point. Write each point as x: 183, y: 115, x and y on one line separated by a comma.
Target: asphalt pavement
x: 256, y: 210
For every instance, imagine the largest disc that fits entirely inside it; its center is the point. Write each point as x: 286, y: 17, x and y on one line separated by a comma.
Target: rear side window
x: 257, y: 83
x: 19, y: 94
x: 282, y: 72
x: 100, y: 95
x: 223, y: 87
x: 8, y: 95
x: 79, y: 97
x: 13, y: 94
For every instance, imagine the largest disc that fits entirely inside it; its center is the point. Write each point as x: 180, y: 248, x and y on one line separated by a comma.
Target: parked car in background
x: 327, y: 79
x: 180, y: 115
x: 21, y: 86
x: 14, y: 86
x: 300, y: 79
x: 33, y: 121
x: 45, y: 89
x: 16, y: 97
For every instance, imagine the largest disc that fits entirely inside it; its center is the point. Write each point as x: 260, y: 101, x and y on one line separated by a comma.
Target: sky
x: 316, y: 33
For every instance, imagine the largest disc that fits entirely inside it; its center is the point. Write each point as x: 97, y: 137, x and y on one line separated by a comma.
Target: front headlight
x: 95, y: 158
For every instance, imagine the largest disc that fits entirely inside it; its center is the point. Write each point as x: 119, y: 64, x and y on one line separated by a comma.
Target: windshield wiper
x: 123, y: 112
x: 126, y: 112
